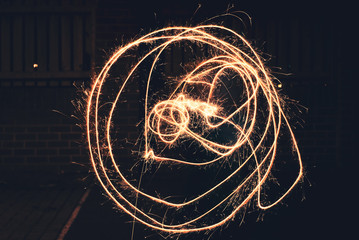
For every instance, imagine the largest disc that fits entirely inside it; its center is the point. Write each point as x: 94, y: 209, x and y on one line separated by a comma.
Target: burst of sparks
x: 170, y: 121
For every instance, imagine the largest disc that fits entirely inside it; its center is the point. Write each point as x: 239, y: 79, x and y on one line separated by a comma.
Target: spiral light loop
x: 194, y: 111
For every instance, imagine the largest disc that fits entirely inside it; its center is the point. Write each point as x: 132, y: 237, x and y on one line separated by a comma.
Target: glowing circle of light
x: 169, y: 121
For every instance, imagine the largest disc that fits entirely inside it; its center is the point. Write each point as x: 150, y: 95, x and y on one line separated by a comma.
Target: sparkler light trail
x: 224, y: 110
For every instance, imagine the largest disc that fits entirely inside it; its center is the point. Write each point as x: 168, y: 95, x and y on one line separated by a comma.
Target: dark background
x: 313, y: 40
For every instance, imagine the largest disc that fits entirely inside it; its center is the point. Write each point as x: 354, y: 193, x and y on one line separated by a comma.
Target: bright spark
x: 257, y: 120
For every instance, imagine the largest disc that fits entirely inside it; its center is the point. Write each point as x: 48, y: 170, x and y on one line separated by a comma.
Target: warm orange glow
x: 256, y: 120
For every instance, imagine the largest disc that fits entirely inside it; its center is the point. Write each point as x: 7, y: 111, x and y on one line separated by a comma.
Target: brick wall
x: 52, y: 144
x: 39, y: 125
x: 33, y: 134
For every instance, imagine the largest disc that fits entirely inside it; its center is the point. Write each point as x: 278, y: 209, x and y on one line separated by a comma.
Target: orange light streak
x: 169, y: 121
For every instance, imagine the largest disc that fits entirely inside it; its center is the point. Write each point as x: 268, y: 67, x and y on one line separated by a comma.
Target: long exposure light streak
x: 194, y: 108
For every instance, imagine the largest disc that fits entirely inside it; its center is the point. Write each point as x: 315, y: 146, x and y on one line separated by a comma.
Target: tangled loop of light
x: 170, y: 121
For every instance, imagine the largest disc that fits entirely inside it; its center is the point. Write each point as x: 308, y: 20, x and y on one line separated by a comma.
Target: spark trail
x: 201, y: 102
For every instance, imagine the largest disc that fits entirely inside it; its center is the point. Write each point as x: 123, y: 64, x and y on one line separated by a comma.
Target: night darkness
x: 50, y: 50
